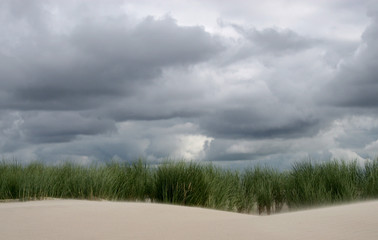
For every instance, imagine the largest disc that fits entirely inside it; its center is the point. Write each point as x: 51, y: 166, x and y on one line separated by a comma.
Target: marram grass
x: 259, y: 189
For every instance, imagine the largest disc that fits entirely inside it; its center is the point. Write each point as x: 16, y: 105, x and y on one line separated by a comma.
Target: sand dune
x: 76, y: 219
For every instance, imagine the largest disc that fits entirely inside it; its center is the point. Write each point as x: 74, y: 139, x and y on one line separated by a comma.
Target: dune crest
x: 77, y: 219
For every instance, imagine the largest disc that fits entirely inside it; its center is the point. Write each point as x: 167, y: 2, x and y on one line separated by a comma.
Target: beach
x: 82, y: 219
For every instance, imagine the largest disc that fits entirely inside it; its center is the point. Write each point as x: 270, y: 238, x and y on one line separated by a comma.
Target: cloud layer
x: 92, y: 82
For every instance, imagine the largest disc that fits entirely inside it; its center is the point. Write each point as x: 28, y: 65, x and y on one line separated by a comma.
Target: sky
x: 236, y: 83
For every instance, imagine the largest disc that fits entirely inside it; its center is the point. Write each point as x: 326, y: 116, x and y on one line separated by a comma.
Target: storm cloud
x: 98, y: 62
x: 240, y: 84
x: 356, y: 82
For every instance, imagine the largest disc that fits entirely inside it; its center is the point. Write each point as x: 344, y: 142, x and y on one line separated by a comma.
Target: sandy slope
x: 74, y: 219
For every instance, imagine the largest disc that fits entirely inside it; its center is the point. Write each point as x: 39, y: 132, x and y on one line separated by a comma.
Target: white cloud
x: 347, y: 155
x: 192, y: 147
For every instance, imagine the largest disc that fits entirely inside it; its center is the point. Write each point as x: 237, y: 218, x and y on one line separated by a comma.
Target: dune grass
x: 329, y: 182
x: 259, y: 189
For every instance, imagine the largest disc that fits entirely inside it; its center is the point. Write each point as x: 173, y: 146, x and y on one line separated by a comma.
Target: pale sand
x: 74, y: 219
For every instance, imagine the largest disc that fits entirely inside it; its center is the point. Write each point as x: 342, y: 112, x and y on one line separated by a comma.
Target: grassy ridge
x: 263, y: 189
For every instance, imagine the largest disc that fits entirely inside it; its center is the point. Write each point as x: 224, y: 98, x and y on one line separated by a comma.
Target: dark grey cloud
x: 98, y: 62
x: 157, y: 104
x: 248, y: 123
x: 356, y: 82
x: 71, y: 81
x: 151, y: 140
x: 152, y: 42
x: 48, y: 127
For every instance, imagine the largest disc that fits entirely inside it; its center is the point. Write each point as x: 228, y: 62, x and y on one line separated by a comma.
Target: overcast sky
x: 235, y: 82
